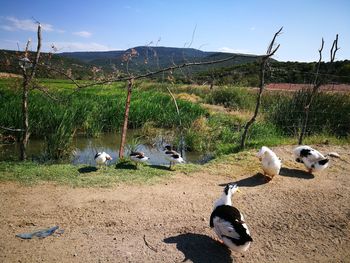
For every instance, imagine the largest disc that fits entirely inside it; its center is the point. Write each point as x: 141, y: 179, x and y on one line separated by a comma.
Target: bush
x: 232, y: 97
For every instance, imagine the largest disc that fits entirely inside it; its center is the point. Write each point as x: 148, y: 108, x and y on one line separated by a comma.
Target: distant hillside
x: 86, y: 65
x: 70, y: 66
x: 145, y: 59
x: 243, y: 70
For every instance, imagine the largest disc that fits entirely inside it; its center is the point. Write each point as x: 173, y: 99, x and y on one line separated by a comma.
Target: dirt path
x: 294, y: 218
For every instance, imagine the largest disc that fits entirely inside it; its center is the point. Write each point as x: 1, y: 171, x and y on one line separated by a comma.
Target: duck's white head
x: 262, y: 152
x: 230, y: 189
x: 108, y: 157
x: 226, y: 196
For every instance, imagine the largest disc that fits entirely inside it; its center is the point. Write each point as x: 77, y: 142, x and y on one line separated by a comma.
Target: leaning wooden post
x: 126, y: 118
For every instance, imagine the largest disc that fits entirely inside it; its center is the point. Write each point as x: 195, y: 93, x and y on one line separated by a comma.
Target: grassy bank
x: 30, y: 173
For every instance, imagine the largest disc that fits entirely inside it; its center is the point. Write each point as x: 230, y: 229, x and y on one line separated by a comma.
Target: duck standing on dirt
x: 101, y: 158
x: 271, y: 164
x: 172, y: 156
x: 228, y: 222
x: 313, y: 160
x: 138, y: 157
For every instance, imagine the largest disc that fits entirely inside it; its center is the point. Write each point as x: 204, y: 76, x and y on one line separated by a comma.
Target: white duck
x: 101, y: 158
x: 172, y: 156
x: 271, y: 164
x: 138, y: 157
x: 228, y: 222
x: 313, y: 160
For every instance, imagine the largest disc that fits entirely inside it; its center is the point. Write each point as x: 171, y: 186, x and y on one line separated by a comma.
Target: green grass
x: 91, y: 111
x: 31, y: 173
x: 101, y: 108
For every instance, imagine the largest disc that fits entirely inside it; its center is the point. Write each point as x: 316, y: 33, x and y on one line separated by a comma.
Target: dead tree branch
x: 334, y: 49
x: 264, y: 59
x: 152, y: 73
x: 27, y: 79
x: 126, y: 118
x: 46, y: 92
x: 317, y: 84
x: 11, y: 129
x: 148, y: 245
x: 37, y: 54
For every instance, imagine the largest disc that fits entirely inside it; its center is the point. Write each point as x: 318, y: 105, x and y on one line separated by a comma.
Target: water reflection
x: 86, y: 148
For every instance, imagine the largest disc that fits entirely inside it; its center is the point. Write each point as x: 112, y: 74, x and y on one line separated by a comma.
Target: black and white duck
x: 228, y: 222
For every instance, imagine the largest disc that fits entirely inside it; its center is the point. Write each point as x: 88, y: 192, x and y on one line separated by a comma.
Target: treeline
x: 278, y: 72
x: 241, y: 72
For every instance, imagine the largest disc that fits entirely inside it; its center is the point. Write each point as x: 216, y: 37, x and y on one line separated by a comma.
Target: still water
x: 86, y: 148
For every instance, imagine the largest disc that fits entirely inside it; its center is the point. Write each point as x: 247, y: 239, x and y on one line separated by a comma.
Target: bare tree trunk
x: 25, y: 119
x: 27, y: 78
x: 263, y: 63
x: 257, y: 106
x: 126, y: 118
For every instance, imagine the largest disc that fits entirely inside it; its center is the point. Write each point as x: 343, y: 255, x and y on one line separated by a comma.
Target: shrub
x: 232, y: 97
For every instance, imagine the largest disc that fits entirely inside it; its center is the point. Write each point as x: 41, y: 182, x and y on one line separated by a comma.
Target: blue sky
x: 219, y: 25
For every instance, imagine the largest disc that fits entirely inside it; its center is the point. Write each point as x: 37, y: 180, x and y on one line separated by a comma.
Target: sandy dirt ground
x: 297, y: 217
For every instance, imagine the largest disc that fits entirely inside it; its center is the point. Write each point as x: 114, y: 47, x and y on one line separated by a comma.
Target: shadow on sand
x: 200, y: 248
x: 296, y: 173
x: 254, y: 180
x: 87, y: 169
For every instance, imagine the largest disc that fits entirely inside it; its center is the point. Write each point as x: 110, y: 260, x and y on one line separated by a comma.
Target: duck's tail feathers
x: 333, y: 154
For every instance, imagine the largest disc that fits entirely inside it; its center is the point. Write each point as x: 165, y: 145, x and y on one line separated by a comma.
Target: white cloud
x: 78, y: 46
x: 83, y: 34
x: 14, y: 24
x: 252, y: 28
x: 232, y: 50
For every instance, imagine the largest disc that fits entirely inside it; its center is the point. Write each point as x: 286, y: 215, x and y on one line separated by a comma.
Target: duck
x: 228, y: 222
x: 271, y: 164
x: 138, y: 157
x: 101, y: 158
x: 313, y: 160
x: 172, y: 156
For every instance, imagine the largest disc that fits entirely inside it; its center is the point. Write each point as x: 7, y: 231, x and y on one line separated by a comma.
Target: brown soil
x: 4, y: 75
x: 294, y: 87
x: 297, y: 217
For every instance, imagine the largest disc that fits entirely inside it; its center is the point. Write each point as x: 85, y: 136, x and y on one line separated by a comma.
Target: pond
x: 86, y: 148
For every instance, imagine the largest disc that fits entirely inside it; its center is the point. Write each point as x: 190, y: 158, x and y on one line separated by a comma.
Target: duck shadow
x: 87, y: 169
x: 160, y: 167
x: 296, y: 173
x: 125, y: 165
x: 254, y: 180
x: 200, y: 248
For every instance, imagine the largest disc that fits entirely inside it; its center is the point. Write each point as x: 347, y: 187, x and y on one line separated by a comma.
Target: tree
x: 264, y: 60
x: 318, y: 82
x: 28, y: 73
